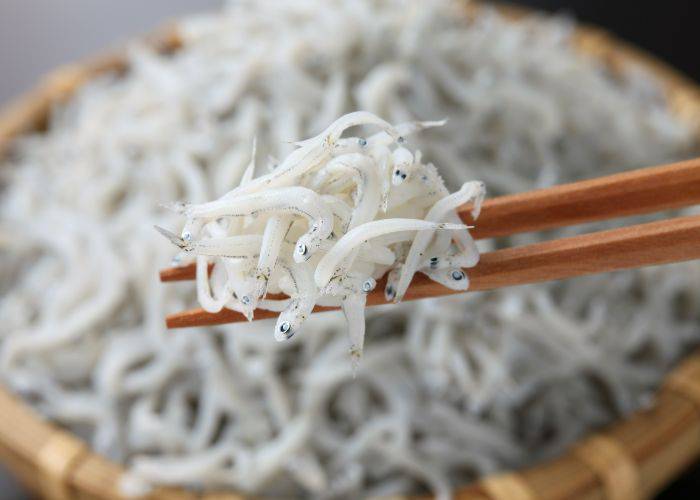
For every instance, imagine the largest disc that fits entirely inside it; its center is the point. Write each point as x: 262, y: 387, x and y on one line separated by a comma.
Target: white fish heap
x: 448, y: 390
x: 323, y: 225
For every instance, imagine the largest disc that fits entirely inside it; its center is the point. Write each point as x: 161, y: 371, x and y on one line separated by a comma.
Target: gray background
x: 38, y: 35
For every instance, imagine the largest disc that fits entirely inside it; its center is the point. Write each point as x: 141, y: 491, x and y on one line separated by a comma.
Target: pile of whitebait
x: 337, y: 214
x: 447, y: 390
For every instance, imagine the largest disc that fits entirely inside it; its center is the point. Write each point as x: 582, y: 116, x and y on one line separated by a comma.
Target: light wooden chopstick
x: 636, y: 192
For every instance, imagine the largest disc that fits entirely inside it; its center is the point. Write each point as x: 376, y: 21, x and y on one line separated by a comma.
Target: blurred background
x: 38, y: 35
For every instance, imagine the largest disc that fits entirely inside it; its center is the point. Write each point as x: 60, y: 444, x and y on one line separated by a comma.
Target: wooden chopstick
x: 654, y: 243
x: 635, y: 192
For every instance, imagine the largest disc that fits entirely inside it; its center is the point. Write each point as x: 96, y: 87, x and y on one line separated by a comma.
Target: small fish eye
x: 457, y: 275
x: 187, y: 236
x: 397, y: 173
x: 369, y: 285
x: 403, y: 176
x: 245, y: 300
x: 301, y: 249
x: 401, y: 139
x: 390, y: 292
x: 362, y: 141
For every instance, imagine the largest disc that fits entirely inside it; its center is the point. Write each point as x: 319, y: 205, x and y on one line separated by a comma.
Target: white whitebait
x: 340, y: 194
x: 331, y: 135
x: 402, y: 160
x: 367, y: 195
x: 341, y: 211
x: 370, y: 252
x: 311, y: 153
x: 301, y: 303
x: 471, y: 191
x: 403, y: 130
x: 290, y: 200
x: 354, y: 310
x: 348, y: 145
x: 206, y: 298
x: 276, y: 230
x: 459, y: 259
x: 453, y: 278
x: 233, y: 247
x: 330, y: 262
x: 250, y: 169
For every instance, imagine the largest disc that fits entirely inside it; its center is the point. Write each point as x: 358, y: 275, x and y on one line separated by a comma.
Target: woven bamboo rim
x: 632, y: 459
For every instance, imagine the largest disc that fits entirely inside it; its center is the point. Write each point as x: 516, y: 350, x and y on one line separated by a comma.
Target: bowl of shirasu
x: 447, y: 391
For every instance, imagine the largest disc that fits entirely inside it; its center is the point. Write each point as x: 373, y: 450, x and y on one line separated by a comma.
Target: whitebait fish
x: 303, y: 298
x: 446, y: 390
x: 209, y: 300
x: 340, y: 197
x: 364, y: 174
x: 311, y: 153
x: 232, y: 247
x: 291, y: 200
x: 403, y: 130
x: 354, y: 310
x: 402, y: 160
x: 276, y: 229
x: 453, y: 278
x: 470, y: 192
x: 331, y: 135
x: 330, y: 263
x: 249, y: 172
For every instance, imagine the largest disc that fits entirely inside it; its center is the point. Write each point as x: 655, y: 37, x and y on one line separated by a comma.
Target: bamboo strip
x: 20, y: 428
x: 685, y: 381
x: 96, y: 478
x: 25, y: 471
x: 563, y: 478
x: 617, y: 471
x: 56, y: 458
x: 660, y: 441
x: 507, y: 486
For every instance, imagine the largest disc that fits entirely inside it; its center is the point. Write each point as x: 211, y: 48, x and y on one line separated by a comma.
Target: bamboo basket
x: 632, y: 459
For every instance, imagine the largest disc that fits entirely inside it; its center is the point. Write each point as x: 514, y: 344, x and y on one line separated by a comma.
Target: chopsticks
x: 635, y: 192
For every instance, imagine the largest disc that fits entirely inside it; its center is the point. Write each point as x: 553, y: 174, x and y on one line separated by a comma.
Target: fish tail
x: 174, y: 239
